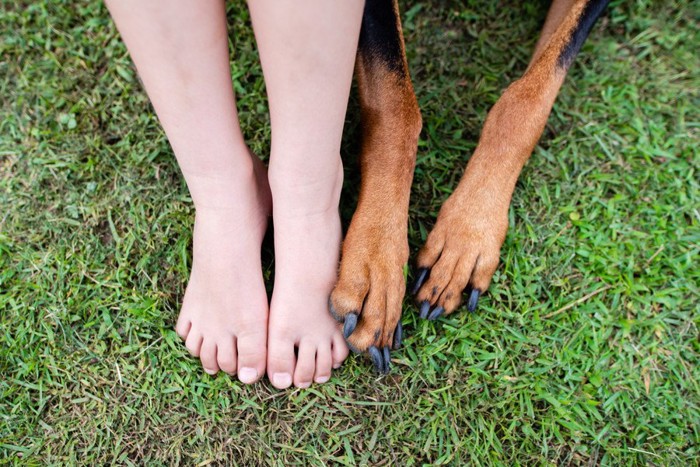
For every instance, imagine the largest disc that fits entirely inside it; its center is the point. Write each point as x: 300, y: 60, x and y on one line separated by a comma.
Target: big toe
x: 251, y: 355
x: 281, y: 362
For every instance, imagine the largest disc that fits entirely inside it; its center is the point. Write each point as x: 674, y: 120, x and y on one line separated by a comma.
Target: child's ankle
x: 226, y: 189
x: 295, y: 193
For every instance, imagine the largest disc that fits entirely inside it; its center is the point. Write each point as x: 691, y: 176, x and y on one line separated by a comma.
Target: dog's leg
x: 463, y: 248
x: 371, y: 283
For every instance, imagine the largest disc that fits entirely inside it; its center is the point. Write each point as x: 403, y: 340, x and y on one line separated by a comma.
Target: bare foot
x: 307, y: 245
x: 224, y: 312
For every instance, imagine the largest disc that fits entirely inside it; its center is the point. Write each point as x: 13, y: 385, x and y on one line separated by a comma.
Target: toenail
x: 248, y: 375
x: 424, y: 309
x: 211, y: 372
x: 282, y: 379
x: 337, y: 365
x: 303, y: 385
x: 322, y: 379
x: 349, y: 325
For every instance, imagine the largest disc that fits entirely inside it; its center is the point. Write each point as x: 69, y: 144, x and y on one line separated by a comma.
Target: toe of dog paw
x: 368, y: 297
x: 381, y: 356
x: 456, y: 263
x: 370, y: 316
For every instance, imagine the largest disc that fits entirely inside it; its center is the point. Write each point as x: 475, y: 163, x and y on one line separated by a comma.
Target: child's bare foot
x: 224, y: 312
x: 307, y: 245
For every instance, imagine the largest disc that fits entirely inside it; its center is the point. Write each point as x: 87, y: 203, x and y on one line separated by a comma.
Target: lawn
x: 584, y: 351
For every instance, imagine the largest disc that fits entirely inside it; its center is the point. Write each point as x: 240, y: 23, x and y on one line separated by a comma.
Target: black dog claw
x: 420, y: 278
x: 377, y: 359
x: 349, y: 325
x: 473, y: 300
x: 398, y: 336
x: 424, y: 309
x: 387, y: 360
x: 436, y: 313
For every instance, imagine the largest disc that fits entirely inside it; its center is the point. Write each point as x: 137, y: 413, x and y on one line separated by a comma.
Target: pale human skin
x: 307, y: 50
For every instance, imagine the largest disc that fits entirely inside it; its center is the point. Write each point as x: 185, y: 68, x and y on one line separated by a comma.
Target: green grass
x: 585, y: 350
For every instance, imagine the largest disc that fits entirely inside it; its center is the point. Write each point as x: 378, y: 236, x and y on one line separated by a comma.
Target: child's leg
x: 307, y: 49
x: 180, y: 48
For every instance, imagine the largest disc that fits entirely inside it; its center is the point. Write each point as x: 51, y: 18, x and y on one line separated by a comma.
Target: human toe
x: 207, y: 355
x: 306, y: 364
x: 281, y: 362
x: 339, y: 350
x: 251, y: 355
x: 183, y: 326
x: 324, y: 362
x: 226, y: 355
x: 193, y: 342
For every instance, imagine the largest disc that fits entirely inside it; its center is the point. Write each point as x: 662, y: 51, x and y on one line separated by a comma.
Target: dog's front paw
x: 461, y: 252
x: 368, y: 296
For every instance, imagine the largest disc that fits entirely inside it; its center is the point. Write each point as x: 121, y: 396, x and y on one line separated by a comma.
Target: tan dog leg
x: 371, y: 284
x: 463, y: 248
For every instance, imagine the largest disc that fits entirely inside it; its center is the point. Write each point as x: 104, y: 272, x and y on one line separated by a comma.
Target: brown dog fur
x: 375, y: 249
x: 463, y: 248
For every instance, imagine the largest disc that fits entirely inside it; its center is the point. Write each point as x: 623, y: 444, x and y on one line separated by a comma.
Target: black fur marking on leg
x: 380, y: 39
x: 590, y: 14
